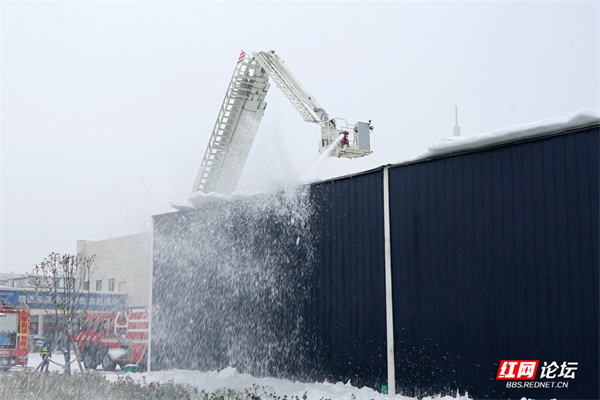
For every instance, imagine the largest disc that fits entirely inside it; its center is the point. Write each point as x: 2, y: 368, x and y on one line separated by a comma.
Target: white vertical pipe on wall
x: 389, y: 311
x: 149, y: 351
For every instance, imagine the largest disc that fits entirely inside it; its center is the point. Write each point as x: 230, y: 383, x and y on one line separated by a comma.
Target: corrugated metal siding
x: 349, y: 285
x: 495, y: 256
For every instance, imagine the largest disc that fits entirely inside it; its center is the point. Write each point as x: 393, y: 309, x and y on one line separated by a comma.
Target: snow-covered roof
x: 454, y: 145
x: 463, y: 143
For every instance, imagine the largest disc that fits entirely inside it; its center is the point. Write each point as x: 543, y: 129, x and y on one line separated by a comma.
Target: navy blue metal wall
x: 495, y: 257
x: 347, y: 314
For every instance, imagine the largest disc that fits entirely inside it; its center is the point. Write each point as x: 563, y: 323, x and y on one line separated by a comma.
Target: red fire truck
x: 113, y: 338
x: 14, y: 336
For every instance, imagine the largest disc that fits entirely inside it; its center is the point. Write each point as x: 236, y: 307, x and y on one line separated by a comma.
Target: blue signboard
x: 95, y: 301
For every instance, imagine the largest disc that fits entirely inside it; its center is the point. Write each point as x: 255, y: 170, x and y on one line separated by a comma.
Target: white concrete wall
x: 126, y: 259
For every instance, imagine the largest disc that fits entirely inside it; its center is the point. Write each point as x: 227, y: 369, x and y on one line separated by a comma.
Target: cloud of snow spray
x: 270, y: 166
x: 229, y: 274
x: 228, y: 279
x: 309, y: 175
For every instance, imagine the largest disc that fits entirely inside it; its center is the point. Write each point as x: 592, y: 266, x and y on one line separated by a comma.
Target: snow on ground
x: 229, y: 378
x: 35, y: 359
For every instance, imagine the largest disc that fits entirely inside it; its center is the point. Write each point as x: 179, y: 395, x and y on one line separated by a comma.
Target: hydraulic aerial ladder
x: 241, y: 113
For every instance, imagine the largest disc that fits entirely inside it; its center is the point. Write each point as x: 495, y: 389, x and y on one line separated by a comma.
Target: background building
x: 121, y: 265
x: 119, y: 280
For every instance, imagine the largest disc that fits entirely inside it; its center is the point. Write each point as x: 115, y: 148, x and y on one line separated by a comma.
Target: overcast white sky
x: 107, y: 107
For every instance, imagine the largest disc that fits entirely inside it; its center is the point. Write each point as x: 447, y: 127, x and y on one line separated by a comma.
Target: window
x: 86, y: 285
x: 34, y: 324
x: 111, y: 285
x: 98, y: 286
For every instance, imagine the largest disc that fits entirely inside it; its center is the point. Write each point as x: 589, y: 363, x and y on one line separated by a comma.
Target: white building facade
x: 122, y: 265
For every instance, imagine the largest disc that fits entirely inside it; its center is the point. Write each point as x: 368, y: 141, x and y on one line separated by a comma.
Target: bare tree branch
x: 63, y: 277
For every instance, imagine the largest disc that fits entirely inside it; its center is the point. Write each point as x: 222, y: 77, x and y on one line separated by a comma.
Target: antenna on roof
x: 456, y: 127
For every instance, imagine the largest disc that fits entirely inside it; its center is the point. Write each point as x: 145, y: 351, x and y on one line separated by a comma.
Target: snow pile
x: 197, y: 198
x: 229, y: 378
x: 456, y: 144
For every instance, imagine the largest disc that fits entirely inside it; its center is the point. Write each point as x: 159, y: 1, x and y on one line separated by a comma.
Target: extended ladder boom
x: 243, y: 109
x: 356, y: 138
x: 234, y: 131
x: 306, y: 105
